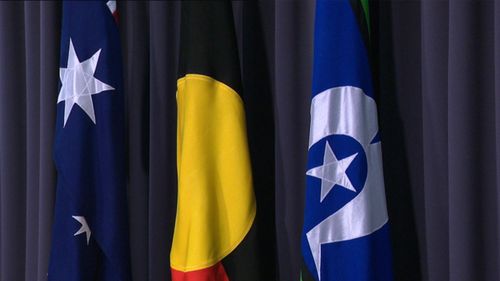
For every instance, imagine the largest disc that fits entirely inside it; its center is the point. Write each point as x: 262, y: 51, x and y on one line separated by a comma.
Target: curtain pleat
x: 293, y: 45
x: 13, y: 212
x: 49, y: 26
x: 397, y: 78
x: 437, y: 67
x: 135, y: 37
x: 32, y: 133
x: 496, y: 104
x: 163, y: 19
x: 471, y: 126
x: 447, y: 60
x: 434, y: 113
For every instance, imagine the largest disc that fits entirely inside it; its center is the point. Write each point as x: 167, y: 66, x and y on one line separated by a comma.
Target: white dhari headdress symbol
x: 348, y: 111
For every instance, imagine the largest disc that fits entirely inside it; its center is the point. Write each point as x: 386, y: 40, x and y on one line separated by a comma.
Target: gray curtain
x: 29, y: 55
x: 436, y: 65
x: 446, y: 82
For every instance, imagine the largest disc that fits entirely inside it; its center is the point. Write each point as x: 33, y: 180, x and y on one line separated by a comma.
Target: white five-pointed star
x: 79, y: 83
x: 332, y: 172
x: 84, y: 229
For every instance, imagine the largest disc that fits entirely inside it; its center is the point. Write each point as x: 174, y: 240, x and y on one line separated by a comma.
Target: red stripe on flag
x: 213, y: 273
x: 116, y: 16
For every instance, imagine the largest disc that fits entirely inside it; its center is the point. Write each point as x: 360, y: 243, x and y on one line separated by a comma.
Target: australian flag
x: 345, y: 234
x: 90, y: 232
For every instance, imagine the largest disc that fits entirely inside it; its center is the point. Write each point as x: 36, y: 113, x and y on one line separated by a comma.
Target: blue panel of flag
x: 345, y: 233
x: 90, y: 231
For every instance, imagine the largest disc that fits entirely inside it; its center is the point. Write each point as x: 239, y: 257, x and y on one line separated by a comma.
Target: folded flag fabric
x: 90, y: 231
x: 345, y: 233
x: 216, y: 204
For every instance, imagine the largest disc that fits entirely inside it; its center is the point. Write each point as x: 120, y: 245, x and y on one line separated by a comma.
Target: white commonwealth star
x: 332, y: 172
x: 84, y: 229
x: 79, y: 83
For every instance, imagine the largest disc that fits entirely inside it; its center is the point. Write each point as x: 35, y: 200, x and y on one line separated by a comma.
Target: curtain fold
x: 435, y: 99
x: 293, y: 45
x: 446, y: 86
x: 13, y: 208
x: 29, y: 57
x: 473, y: 204
x: 133, y: 18
x: 437, y: 65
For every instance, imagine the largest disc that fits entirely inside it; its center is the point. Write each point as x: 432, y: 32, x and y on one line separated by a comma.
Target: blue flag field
x: 345, y: 234
x: 90, y: 232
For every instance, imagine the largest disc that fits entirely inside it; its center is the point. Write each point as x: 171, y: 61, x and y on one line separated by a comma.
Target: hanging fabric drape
x: 435, y: 73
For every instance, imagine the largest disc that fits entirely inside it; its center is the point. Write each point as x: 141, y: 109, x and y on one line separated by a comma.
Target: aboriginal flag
x: 216, y: 205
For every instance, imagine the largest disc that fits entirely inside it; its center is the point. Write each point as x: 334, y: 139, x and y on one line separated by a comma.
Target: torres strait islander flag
x: 90, y: 231
x: 216, y: 205
x: 345, y: 234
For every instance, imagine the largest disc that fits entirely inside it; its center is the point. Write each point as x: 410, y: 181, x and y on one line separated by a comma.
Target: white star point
x: 84, y: 228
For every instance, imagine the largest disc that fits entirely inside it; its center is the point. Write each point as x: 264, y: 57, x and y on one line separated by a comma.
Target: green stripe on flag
x: 366, y: 9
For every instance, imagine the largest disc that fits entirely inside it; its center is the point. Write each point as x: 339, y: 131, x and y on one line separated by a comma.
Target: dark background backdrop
x: 437, y: 69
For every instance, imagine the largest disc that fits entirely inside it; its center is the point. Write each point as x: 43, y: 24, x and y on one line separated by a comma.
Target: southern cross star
x: 332, y: 172
x: 84, y: 228
x: 79, y: 83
